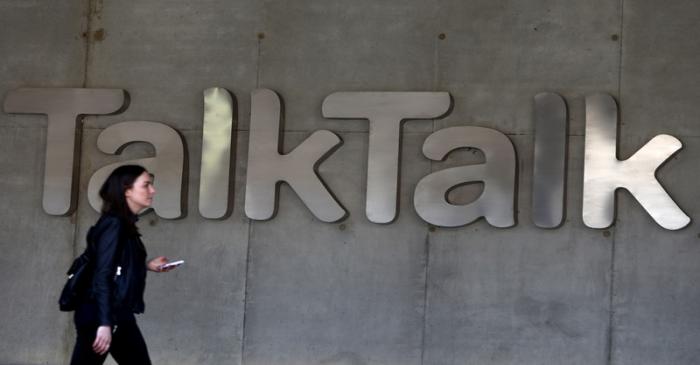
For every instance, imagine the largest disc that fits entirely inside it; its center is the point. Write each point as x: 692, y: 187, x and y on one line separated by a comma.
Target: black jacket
x: 119, y: 278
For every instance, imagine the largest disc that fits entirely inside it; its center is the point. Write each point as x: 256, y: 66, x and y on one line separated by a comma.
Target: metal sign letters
x: 267, y: 166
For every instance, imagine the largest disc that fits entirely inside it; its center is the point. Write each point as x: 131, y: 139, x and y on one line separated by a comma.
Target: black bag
x: 79, y: 278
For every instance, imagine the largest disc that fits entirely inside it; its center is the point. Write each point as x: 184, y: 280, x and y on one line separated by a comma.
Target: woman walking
x: 104, y: 319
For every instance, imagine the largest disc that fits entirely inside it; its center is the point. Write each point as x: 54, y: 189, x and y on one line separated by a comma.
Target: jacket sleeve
x: 105, y: 251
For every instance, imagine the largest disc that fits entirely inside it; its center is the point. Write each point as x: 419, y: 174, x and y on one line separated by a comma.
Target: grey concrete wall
x: 294, y: 290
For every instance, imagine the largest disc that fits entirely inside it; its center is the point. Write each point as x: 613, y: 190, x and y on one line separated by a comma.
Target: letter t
x: 63, y: 106
x: 385, y: 112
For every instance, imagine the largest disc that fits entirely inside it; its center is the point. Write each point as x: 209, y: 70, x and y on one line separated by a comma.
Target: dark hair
x: 112, y: 194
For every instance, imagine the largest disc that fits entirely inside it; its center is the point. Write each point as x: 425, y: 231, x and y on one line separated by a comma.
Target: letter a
x: 604, y: 173
x: 166, y: 167
x: 496, y: 202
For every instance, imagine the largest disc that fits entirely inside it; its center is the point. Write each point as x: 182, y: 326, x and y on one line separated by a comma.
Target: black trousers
x: 127, y: 347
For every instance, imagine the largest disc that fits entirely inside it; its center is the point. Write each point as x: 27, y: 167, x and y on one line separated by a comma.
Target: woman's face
x: 140, y: 195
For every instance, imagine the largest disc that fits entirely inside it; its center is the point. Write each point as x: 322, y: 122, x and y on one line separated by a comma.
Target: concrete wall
x: 294, y: 290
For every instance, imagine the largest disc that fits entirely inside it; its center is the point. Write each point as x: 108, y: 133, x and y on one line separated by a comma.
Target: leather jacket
x: 119, y: 277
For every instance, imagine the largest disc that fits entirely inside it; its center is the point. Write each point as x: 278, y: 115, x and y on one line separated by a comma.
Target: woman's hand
x: 102, y: 340
x: 156, y: 264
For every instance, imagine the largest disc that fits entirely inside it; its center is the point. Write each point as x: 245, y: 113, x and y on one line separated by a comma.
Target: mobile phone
x: 172, y: 264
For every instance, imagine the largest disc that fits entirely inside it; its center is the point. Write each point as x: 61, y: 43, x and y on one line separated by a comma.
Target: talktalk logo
x: 385, y: 112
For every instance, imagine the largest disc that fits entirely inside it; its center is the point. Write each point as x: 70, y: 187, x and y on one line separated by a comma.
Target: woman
x: 104, y: 319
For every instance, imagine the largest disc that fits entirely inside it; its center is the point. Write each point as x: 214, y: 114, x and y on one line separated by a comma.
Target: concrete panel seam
x: 245, y: 294
x: 620, y: 55
x: 74, y: 217
x: 257, y: 62
x: 22, y: 127
x: 87, y: 37
x: 166, y: 122
x: 425, y: 297
x: 611, y: 303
